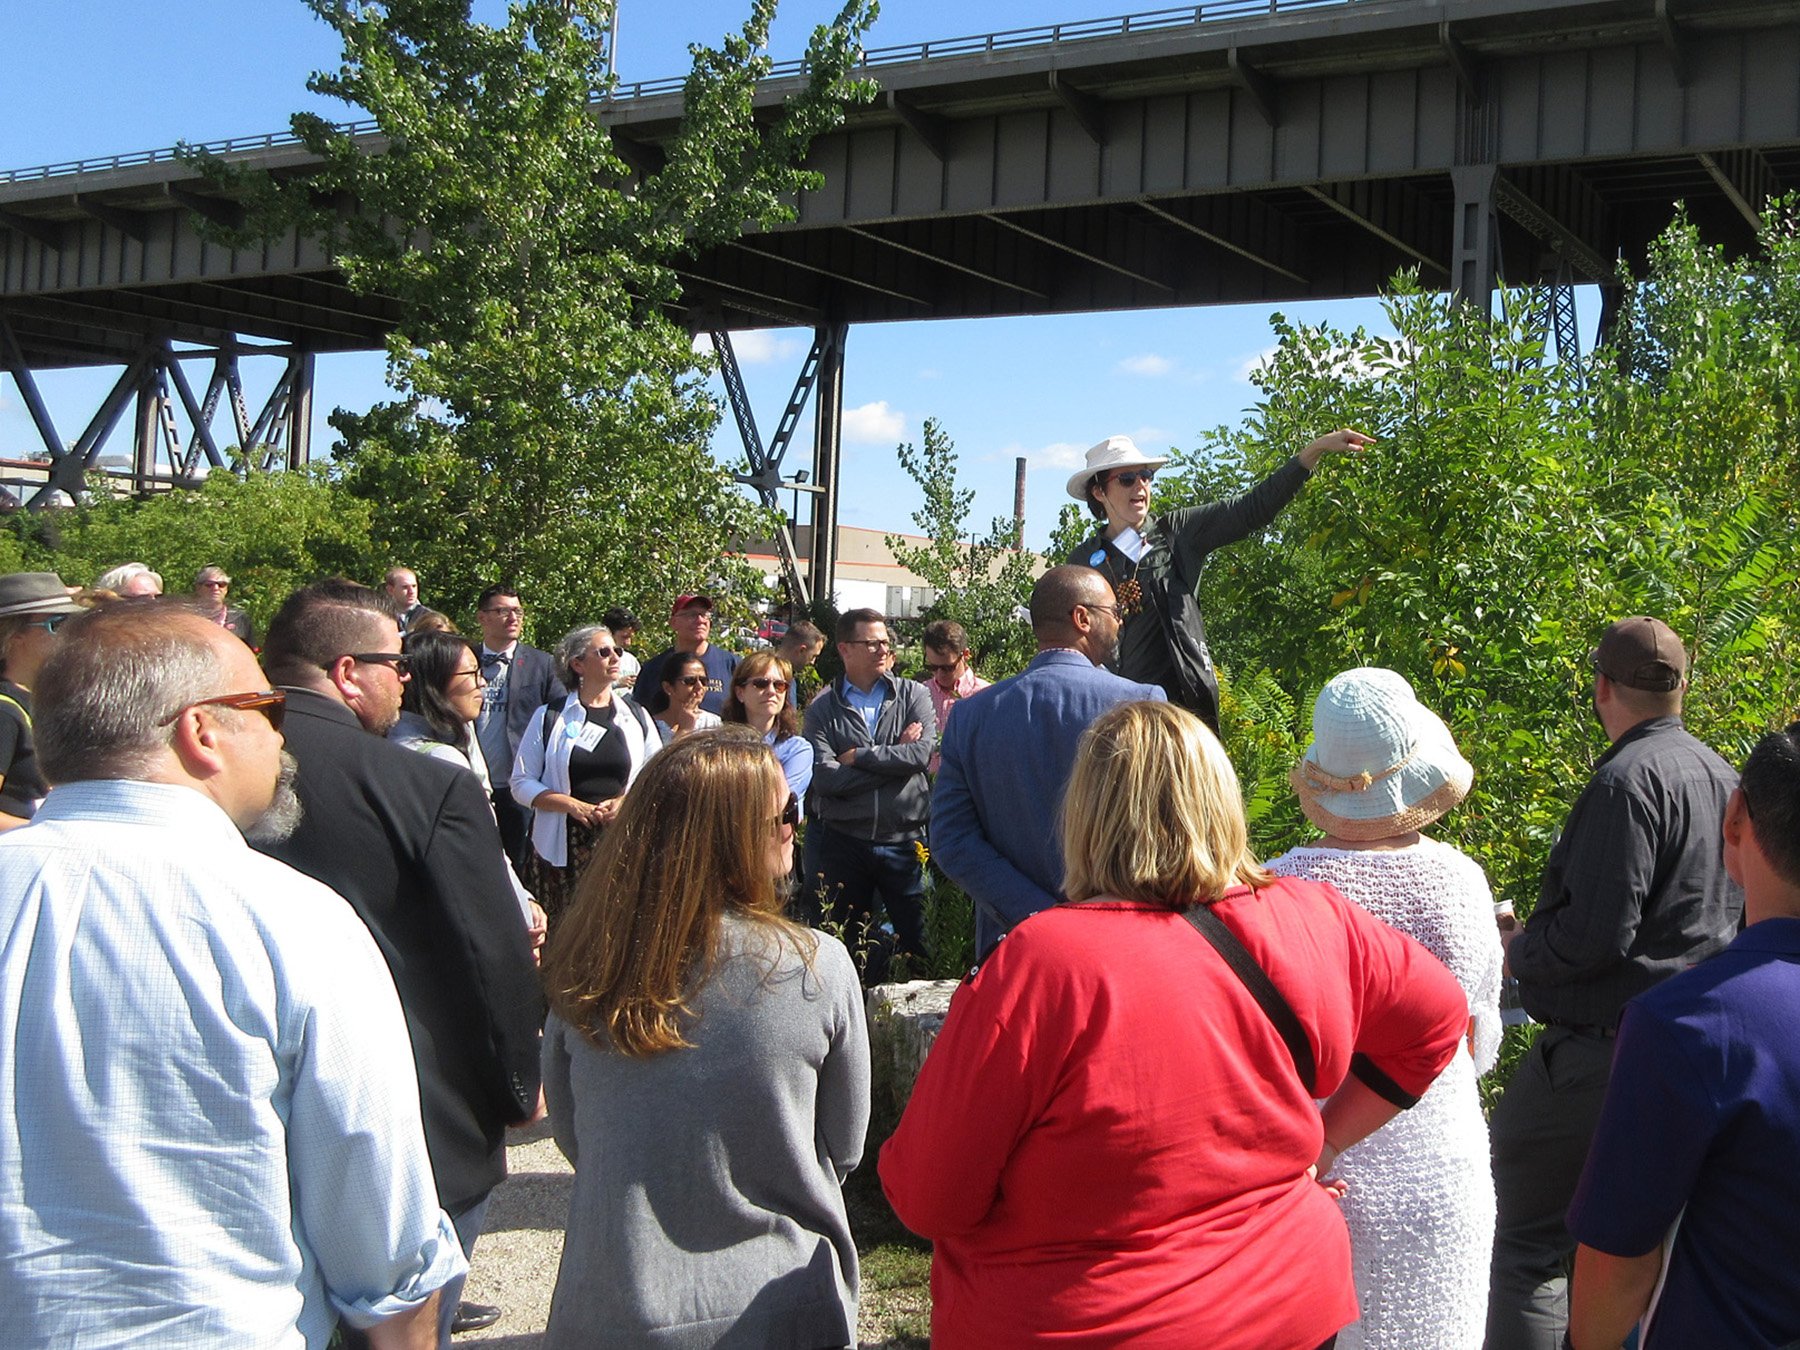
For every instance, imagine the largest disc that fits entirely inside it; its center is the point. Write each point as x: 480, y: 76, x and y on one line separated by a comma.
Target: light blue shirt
x: 869, y: 704
x: 209, y: 1119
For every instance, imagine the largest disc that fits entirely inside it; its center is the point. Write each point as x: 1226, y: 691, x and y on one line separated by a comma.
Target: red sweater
x: 1108, y: 1144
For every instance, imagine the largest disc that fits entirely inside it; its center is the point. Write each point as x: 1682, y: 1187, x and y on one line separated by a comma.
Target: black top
x: 1163, y: 640
x: 24, y: 787
x: 1635, y: 889
x: 411, y: 843
x: 599, y: 774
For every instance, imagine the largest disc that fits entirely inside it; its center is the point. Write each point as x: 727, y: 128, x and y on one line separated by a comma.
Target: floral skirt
x: 555, y: 886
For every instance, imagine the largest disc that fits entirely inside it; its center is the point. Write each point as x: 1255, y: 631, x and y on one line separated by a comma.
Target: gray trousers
x: 1540, y: 1133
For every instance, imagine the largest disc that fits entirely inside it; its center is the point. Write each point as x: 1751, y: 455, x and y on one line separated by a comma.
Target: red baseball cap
x: 689, y: 601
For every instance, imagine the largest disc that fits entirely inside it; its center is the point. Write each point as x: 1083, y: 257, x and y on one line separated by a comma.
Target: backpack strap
x: 8, y: 701
x: 1262, y: 989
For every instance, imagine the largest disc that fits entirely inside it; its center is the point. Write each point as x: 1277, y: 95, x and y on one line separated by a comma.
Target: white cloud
x: 931, y: 373
x: 1250, y: 365
x: 1147, y: 364
x: 874, y: 424
x: 1064, y: 455
x: 756, y: 346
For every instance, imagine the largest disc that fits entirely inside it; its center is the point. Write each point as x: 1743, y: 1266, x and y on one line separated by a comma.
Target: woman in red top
x: 1110, y: 1144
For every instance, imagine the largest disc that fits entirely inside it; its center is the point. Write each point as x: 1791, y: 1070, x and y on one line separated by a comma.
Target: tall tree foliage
x: 983, y: 582
x: 1509, y: 512
x: 551, y: 421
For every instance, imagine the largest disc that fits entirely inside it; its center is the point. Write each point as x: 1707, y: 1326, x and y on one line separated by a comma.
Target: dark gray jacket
x: 885, y: 795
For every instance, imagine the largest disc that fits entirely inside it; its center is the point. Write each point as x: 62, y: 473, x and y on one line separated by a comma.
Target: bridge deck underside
x: 1307, y: 157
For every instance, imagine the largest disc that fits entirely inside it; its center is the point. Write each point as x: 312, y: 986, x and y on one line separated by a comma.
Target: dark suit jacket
x: 410, y: 842
x: 531, y: 684
x: 1007, y: 756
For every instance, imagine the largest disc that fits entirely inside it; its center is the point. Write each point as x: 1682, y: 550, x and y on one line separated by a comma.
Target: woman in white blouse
x: 1420, y: 1200
x: 577, y: 760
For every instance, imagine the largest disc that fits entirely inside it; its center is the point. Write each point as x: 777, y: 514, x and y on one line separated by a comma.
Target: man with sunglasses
x: 948, y: 676
x: 1153, y: 562
x: 410, y: 842
x: 209, y: 1120
x: 1634, y: 891
x: 872, y: 733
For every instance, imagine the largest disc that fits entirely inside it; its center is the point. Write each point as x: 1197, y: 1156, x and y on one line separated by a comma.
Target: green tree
x: 982, y: 583
x: 272, y: 532
x: 551, y: 422
x: 1509, y: 511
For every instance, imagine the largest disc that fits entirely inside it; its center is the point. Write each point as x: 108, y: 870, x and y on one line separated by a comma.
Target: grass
x: 896, y: 1267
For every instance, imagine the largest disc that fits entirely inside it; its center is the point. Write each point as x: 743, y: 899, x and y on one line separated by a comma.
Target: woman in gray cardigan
x: 706, y: 1068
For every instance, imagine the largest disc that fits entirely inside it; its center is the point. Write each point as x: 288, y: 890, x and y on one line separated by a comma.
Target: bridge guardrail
x: 1009, y: 40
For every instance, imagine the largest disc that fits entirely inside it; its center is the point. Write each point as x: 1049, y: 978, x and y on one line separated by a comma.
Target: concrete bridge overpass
x: 1242, y: 150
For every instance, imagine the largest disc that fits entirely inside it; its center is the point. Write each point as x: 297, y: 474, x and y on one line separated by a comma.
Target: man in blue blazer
x: 1008, y: 751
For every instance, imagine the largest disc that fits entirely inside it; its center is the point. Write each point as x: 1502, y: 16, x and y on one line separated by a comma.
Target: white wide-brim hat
x: 1381, y: 763
x: 1115, y: 452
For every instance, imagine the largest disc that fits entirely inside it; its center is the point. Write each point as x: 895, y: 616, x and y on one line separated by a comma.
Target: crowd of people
x: 288, y: 944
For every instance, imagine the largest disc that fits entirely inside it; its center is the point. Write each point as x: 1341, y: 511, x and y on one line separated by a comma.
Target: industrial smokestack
x: 1019, y: 502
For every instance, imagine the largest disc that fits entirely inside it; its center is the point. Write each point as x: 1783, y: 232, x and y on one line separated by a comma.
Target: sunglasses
x: 1132, y: 477
x: 402, y: 664
x: 271, y: 703
x: 790, y: 814
x: 763, y: 683
x: 606, y: 653
x: 691, y: 681
x: 873, y: 644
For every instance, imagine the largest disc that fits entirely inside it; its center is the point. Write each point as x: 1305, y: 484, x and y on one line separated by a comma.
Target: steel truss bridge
x: 1228, y: 152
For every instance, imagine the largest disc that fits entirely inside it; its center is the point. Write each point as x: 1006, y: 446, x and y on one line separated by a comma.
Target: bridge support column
x: 828, y: 447
x: 1475, y: 249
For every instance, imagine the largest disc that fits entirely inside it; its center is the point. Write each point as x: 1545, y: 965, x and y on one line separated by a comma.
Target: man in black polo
x: 1634, y: 891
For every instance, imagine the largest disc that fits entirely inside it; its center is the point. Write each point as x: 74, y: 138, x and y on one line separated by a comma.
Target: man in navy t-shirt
x: 1701, y: 1126
x: 692, y: 621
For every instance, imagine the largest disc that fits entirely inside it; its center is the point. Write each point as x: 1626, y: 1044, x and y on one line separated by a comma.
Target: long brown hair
x: 787, y: 722
x: 689, y: 845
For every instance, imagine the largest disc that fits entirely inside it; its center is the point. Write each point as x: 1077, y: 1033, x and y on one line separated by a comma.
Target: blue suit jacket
x: 1007, y: 755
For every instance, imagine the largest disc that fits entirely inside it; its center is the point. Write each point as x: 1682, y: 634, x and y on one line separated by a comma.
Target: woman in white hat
x: 1154, y: 561
x: 32, y: 606
x: 1420, y: 1203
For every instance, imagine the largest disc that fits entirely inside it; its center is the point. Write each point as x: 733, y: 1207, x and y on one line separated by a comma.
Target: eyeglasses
x: 932, y: 668
x: 271, y: 703
x: 764, y: 683
x: 50, y: 622
x: 1131, y: 477
x: 474, y: 675
x: 691, y: 681
x: 1114, y: 610
x: 790, y: 814
x: 873, y: 644
x: 402, y: 664
x: 215, y: 585
x: 508, y: 611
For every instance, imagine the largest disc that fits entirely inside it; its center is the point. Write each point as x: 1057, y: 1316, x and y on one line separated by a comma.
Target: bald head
x: 1073, y: 606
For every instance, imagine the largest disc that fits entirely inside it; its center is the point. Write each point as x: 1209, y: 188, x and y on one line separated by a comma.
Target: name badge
x: 587, y: 736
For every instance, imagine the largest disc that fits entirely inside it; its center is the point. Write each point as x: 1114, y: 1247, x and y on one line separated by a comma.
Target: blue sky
x: 96, y: 77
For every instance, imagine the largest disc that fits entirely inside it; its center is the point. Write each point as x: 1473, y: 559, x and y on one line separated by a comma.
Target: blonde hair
x: 689, y: 845
x: 1153, y: 812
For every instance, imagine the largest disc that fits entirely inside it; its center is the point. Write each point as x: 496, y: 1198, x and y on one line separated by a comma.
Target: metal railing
x: 986, y: 44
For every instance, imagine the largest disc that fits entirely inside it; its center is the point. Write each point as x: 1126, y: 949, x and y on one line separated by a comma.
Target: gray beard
x: 283, y: 814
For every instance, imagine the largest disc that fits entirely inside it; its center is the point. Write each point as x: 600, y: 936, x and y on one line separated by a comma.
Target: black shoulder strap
x: 1262, y: 989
